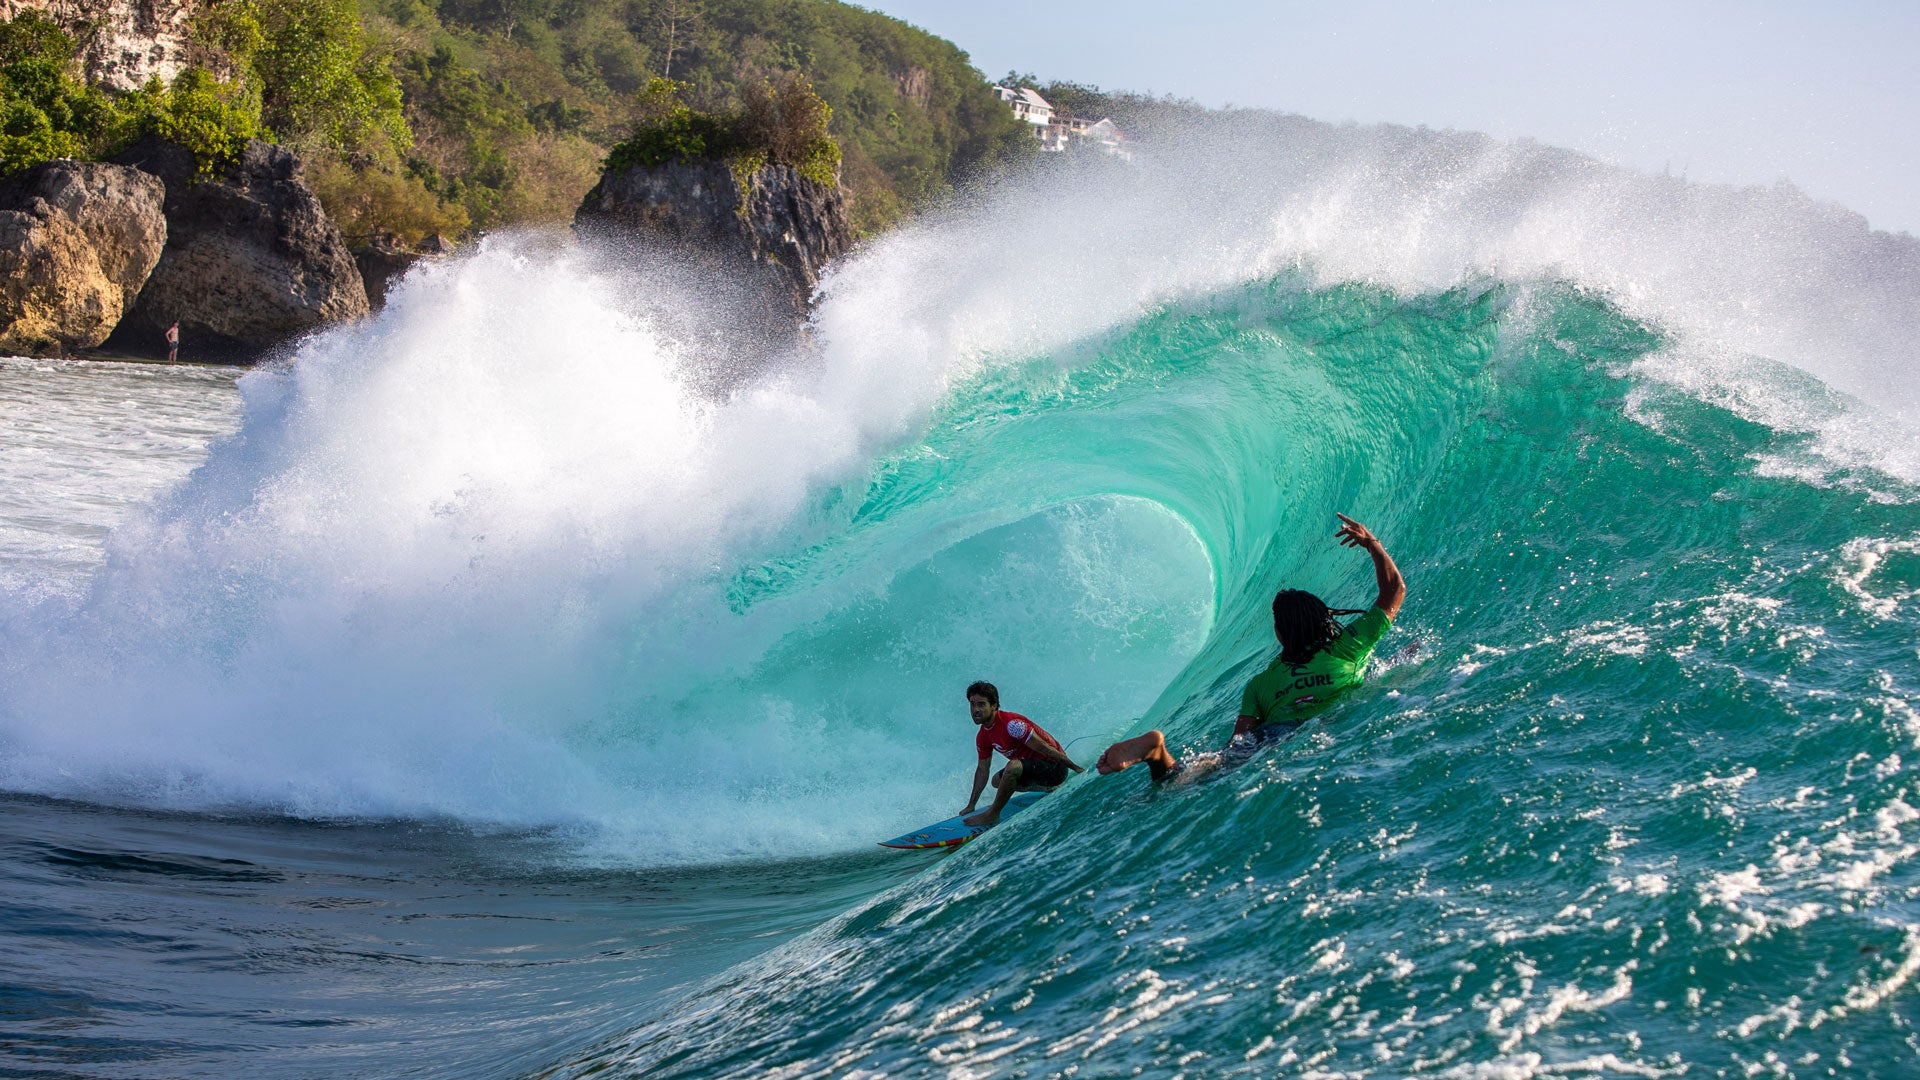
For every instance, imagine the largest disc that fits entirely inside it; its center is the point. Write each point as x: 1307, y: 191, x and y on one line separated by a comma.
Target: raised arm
x: 1393, y: 587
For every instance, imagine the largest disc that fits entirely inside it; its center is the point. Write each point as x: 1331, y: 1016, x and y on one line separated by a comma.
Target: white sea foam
x: 1872, y: 992
x: 1847, y: 442
x: 85, y: 445
x: 1861, y: 558
x: 1560, y: 1000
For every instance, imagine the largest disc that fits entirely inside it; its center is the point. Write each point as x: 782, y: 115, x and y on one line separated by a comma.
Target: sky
x: 1823, y: 95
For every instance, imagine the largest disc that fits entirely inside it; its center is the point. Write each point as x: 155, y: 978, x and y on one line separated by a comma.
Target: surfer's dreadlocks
x: 1305, y: 624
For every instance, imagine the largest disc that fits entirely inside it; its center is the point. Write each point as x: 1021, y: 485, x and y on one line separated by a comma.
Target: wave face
x: 1635, y: 802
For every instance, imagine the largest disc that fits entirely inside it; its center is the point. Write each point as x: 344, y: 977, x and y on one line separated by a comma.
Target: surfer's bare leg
x: 1150, y: 748
x: 1005, y: 785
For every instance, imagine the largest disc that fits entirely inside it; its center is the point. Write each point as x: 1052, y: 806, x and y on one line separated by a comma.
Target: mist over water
x: 524, y: 551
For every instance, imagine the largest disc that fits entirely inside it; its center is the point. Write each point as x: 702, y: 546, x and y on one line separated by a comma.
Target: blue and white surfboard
x: 954, y: 832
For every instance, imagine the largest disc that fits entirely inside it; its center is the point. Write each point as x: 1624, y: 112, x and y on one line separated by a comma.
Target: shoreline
x: 102, y: 356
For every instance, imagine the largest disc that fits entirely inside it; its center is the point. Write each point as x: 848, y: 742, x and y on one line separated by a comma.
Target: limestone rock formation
x: 384, y: 259
x: 77, y: 242
x: 252, y: 260
x: 123, y: 42
x: 782, y: 233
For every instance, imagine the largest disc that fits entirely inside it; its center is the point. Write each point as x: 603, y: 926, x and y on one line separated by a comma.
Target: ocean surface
x: 509, y: 686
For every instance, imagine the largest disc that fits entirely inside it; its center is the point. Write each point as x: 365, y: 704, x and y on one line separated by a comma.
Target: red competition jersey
x: 1007, y: 732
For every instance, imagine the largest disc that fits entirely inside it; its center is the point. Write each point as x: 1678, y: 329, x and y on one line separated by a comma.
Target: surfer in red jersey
x: 1319, y: 662
x: 1035, y: 761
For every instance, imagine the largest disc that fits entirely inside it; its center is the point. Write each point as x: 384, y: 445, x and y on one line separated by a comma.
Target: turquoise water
x: 1635, y: 805
x: 498, y: 698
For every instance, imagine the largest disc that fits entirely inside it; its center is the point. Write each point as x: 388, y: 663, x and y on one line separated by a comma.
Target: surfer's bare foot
x: 988, y: 816
x: 1150, y: 748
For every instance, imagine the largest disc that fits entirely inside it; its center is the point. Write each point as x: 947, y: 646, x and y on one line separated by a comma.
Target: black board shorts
x: 1042, y: 772
x: 1242, y: 747
x: 1275, y: 731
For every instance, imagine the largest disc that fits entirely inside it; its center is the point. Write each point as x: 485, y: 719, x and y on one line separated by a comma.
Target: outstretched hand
x: 1354, y: 534
x: 1393, y: 587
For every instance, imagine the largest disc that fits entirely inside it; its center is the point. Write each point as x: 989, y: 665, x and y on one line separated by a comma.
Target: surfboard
x: 953, y: 832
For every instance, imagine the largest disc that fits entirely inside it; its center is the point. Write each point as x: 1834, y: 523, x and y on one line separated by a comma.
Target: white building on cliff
x: 1058, y: 132
x: 1027, y: 104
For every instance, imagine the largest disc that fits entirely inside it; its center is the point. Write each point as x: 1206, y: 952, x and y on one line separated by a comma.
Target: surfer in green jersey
x: 1320, y: 662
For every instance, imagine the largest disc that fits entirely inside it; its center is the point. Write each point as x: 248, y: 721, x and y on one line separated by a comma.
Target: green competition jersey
x: 1294, y: 693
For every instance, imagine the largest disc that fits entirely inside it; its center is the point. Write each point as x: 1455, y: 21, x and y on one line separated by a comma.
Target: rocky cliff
x: 384, y: 260
x: 77, y: 242
x: 125, y: 42
x: 778, y: 229
x: 117, y: 252
x: 251, y: 259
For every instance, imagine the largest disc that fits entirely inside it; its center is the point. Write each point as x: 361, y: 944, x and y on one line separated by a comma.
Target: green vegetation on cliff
x: 419, y: 116
x: 46, y: 113
x: 514, y: 104
x: 781, y: 123
x: 43, y: 113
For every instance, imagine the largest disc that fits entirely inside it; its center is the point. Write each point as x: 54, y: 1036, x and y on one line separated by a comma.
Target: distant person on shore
x: 1034, y: 758
x: 1320, y: 662
x: 173, y: 343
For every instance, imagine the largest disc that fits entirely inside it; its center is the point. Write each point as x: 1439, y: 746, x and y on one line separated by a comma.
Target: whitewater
x: 512, y: 684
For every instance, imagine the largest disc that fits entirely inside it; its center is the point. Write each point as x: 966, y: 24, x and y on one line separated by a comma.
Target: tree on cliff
x: 328, y: 90
x: 323, y: 84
